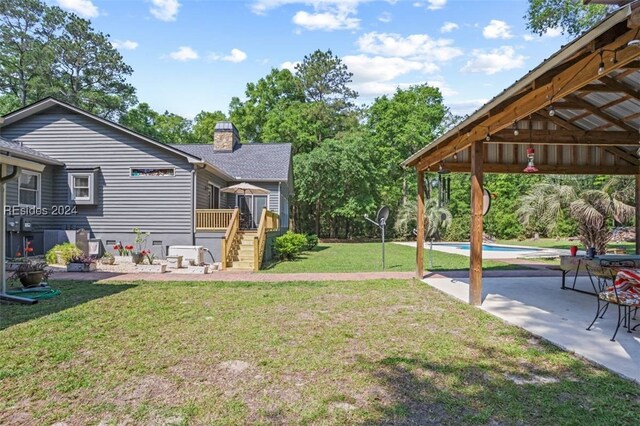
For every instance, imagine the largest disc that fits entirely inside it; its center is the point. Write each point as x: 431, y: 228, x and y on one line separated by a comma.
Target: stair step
x: 243, y: 264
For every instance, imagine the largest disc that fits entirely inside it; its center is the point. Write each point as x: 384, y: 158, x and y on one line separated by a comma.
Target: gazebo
x: 578, y: 112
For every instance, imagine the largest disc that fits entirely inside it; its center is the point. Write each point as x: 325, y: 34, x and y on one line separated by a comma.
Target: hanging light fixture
x: 442, y: 170
x: 516, y: 132
x: 531, y: 153
x: 552, y: 111
x: 601, y: 65
x: 455, y: 156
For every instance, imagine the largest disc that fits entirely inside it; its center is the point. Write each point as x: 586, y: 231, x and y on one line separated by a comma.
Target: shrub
x: 82, y: 259
x: 288, y: 246
x: 66, y: 250
x: 312, y: 241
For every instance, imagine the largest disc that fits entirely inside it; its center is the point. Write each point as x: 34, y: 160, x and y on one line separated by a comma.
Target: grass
x: 374, y: 352
x: 367, y: 257
x: 561, y: 244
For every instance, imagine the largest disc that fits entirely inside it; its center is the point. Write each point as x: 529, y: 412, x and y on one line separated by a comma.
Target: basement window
x: 153, y: 172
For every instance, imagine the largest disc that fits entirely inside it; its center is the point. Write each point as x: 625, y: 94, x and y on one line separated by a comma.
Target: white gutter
x: 562, y: 55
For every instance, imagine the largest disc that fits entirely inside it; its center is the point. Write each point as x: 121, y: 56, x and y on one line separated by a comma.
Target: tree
x: 573, y: 17
x: 547, y: 202
x: 204, y: 124
x: 271, y: 94
x: 45, y: 51
x: 167, y: 127
x: 402, y: 124
x: 437, y: 219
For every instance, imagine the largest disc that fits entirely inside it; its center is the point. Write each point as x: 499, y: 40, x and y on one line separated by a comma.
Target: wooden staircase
x: 242, y: 251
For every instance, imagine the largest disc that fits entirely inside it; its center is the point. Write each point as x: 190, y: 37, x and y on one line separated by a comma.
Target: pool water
x: 486, y: 247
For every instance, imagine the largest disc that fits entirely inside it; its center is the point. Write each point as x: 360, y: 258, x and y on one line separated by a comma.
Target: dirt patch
x: 533, y: 380
x: 234, y: 367
x: 147, y: 389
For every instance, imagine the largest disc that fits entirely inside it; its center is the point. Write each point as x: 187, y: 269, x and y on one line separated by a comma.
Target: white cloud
x: 436, y: 4
x: 288, y: 65
x: 467, y: 106
x: 384, y: 17
x: 493, y: 61
x: 235, y: 56
x: 497, y: 29
x: 327, y: 21
x: 125, y: 44
x: 550, y: 33
x: 84, y: 8
x: 379, y: 69
x: 184, y: 53
x: 413, y: 46
x: 447, y: 27
x: 164, y: 10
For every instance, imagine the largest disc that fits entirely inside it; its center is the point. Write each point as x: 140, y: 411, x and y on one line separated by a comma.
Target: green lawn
x: 375, y: 352
x: 367, y: 257
x: 560, y: 244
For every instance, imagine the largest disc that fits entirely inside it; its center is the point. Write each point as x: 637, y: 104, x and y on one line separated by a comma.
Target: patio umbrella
x: 244, y: 189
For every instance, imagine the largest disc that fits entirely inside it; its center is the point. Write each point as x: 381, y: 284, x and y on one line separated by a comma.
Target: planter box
x: 196, y: 269
x: 120, y: 260
x: 174, y: 262
x: 81, y: 267
x: 152, y: 269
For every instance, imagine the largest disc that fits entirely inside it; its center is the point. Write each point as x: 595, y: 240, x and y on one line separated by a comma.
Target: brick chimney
x: 225, y: 137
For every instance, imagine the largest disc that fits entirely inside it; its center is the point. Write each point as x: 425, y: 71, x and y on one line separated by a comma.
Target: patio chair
x: 623, y: 291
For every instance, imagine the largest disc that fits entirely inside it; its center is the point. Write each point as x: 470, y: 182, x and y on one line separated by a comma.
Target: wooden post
x: 475, y: 271
x: 420, y: 235
x: 637, y: 214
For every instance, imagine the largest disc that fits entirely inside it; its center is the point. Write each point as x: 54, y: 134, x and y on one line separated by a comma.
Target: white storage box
x: 193, y: 254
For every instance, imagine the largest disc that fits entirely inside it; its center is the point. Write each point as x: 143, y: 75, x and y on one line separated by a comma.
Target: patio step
x: 242, y: 264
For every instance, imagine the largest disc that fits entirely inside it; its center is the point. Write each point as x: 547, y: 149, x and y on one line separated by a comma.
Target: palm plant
x: 437, y: 219
x: 546, y: 203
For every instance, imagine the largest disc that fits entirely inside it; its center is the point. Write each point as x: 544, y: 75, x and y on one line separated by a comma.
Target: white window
x: 29, y: 189
x: 81, y: 187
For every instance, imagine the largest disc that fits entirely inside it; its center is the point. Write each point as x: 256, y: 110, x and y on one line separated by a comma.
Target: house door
x: 245, y: 204
x: 259, y: 203
x: 214, y: 197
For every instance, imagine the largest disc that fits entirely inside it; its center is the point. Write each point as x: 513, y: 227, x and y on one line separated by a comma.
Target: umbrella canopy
x: 244, y: 189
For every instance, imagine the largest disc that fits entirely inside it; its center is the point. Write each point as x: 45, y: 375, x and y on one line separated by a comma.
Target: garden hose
x: 36, y: 294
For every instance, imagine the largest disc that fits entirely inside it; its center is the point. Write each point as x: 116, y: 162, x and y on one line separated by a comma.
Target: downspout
x: 193, y: 205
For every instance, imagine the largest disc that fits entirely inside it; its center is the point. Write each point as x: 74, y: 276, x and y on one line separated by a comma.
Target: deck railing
x: 213, y: 219
x: 269, y: 221
x: 229, y: 237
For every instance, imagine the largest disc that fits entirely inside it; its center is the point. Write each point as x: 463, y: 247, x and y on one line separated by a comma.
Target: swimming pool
x: 488, y: 247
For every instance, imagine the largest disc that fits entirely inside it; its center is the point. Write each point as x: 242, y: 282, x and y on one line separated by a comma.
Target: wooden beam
x: 618, y: 86
x: 559, y: 121
x: 602, y: 114
x: 420, y: 235
x: 623, y: 154
x: 564, y: 83
x: 567, y: 137
x: 475, y: 272
x: 549, y: 169
x: 638, y: 214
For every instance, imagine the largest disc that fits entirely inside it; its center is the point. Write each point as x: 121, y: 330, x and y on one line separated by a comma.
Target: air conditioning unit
x: 191, y: 254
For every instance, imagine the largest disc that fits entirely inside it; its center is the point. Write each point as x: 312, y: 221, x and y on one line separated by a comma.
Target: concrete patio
x: 538, y: 305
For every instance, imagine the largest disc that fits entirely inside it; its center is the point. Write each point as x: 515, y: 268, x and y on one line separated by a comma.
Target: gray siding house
x: 106, y: 179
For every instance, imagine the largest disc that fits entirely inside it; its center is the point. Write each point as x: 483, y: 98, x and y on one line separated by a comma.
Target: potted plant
x: 139, y: 253
x: 124, y: 252
x: 31, y: 274
x: 81, y: 264
x: 107, y: 259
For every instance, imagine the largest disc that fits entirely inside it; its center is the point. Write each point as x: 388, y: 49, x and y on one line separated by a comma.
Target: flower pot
x: 31, y: 279
x: 108, y: 260
x: 573, y: 250
x: 137, y: 258
x: 81, y: 267
x: 152, y: 269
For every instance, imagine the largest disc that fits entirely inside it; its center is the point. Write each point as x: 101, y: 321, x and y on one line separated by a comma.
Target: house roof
x: 248, y: 161
x: 19, y: 150
x: 49, y: 102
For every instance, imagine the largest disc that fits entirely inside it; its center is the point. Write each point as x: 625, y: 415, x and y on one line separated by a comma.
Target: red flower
x: 129, y: 247
x: 116, y: 247
x: 29, y: 249
x: 18, y: 254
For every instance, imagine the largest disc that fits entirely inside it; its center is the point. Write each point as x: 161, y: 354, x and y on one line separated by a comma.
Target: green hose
x: 35, y: 294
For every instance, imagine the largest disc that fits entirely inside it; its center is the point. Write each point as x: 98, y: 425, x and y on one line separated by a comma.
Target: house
x: 106, y: 179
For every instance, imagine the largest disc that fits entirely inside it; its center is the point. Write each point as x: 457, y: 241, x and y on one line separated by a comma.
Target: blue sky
x: 194, y: 55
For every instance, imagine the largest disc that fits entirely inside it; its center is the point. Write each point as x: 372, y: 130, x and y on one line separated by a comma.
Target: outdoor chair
x: 617, y: 283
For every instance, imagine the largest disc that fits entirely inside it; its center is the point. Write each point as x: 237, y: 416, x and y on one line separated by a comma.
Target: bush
x: 288, y: 246
x: 66, y: 250
x: 312, y: 241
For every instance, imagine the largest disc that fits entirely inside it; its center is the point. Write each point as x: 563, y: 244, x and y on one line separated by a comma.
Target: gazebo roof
x: 579, y: 109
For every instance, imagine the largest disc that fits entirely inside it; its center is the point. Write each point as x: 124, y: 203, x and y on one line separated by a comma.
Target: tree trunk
x: 318, y: 218
x: 404, y: 189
